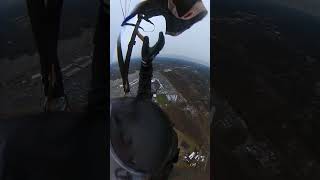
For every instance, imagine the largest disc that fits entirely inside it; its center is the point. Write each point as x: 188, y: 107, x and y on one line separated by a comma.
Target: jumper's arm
x: 148, y: 54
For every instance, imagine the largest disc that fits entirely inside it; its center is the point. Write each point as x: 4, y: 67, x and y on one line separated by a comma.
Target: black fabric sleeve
x: 145, y: 76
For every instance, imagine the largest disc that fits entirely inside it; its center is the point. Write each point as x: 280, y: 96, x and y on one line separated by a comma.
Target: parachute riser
x: 124, y: 65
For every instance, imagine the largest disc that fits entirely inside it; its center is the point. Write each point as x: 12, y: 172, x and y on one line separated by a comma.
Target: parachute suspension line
x: 154, y: 27
x: 125, y: 8
x: 122, y: 9
x: 129, y: 5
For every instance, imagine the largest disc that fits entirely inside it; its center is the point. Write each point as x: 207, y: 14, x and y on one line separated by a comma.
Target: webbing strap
x: 124, y: 64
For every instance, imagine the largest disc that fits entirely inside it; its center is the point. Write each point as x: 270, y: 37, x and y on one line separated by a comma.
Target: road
x: 20, y: 80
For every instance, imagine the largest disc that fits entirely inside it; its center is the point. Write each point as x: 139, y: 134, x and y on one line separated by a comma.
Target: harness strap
x: 124, y: 64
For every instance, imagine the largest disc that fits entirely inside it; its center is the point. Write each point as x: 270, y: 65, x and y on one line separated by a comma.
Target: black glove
x: 149, y: 53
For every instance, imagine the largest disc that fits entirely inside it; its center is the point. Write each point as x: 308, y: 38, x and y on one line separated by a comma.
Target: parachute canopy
x: 180, y: 15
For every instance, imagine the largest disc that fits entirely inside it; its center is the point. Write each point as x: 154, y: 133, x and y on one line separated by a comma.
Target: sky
x: 194, y: 43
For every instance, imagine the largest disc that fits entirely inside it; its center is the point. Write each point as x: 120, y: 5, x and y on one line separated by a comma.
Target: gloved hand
x: 149, y: 53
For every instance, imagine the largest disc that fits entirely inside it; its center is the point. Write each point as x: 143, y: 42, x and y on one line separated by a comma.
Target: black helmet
x: 143, y: 141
